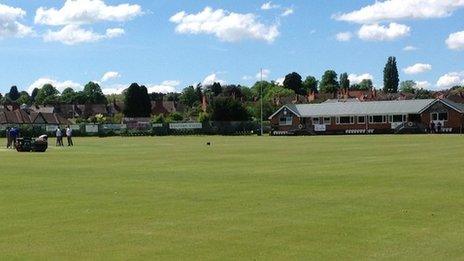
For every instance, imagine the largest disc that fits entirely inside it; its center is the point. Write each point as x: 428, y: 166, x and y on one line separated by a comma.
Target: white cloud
x: 76, y: 13
x: 114, y: 88
x: 287, y: 12
x: 394, y: 10
x: 226, y: 26
x: 110, y: 75
x: 455, y: 41
x: 280, y: 81
x: 355, y: 79
x: 9, y: 22
x: 409, y: 48
x: 164, y: 87
x: 86, y: 12
x: 376, y: 32
x: 422, y: 85
x: 344, y: 36
x: 60, y: 86
x: 266, y: 74
x: 451, y: 79
x: 114, y: 32
x: 211, y: 79
x: 73, y: 34
x: 418, y: 68
x: 269, y: 5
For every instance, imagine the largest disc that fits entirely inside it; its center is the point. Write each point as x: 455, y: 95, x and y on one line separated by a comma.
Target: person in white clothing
x: 59, y: 137
x: 69, y: 136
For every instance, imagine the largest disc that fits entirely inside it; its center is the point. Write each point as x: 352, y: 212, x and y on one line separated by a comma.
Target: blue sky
x: 169, y: 44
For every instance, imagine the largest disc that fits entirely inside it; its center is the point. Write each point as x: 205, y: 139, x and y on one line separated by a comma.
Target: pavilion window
x: 286, y: 121
x: 345, y: 120
x: 361, y: 119
x: 443, y: 116
x: 378, y: 119
x: 440, y: 116
x: 397, y: 118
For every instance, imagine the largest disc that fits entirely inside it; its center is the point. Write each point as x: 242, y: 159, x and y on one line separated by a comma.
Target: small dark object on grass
x: 208, y: 144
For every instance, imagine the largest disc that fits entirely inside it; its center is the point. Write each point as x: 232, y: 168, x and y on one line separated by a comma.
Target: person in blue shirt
x: 14, y: 135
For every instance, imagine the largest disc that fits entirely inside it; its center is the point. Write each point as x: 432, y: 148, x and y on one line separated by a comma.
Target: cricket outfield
x: 338, y: 197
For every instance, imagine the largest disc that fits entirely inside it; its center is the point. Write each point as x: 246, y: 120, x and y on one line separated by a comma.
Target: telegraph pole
x: 261, y: 85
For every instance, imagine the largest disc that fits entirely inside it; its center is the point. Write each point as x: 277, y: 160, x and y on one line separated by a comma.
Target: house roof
x: 455, y: 105
x: 358, y: 108
x: 163, y: 107
x: 342, y: 100
x: 27, y: 117
x: 3, y: 119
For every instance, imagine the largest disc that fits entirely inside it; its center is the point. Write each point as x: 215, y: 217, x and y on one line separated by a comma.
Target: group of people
x: 435, y: 128
x: 12, y: 135
x: 59, y: 136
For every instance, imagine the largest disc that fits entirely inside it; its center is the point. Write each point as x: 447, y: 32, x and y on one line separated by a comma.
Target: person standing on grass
x: 8, y: 138
x: 59, y: 137
x: 69, y: 136
x: 14, y: 135
x: 439, y: 127
x: 432, y: 127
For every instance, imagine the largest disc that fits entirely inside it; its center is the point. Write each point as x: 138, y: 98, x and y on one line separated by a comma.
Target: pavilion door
x: 439, y: 119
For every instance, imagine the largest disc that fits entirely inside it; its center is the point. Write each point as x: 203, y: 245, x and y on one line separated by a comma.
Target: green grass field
x: 252, y: 198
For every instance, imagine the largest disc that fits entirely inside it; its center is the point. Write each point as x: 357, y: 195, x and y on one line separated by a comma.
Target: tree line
x: 49, y: 95
x: 223, y: 103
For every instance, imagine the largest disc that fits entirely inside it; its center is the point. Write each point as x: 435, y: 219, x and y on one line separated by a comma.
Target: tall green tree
x: 199, y: 92
x: 172, y: 96
x: 80, y: 98
x: 14, y: 94
x: 47, y: 95
x: 329, y: 82
x: 408, y: 86
x: 94, y: 94
x: 344, y: 81
x: 228, y: 109
x: 145, y: 102
x: 189, y: 97
x: 366, y: 85
x: 34, y: 94
x: 216, y: 88
x: 391, y: 77
x: 68, y: 96
x: 137, y: 101
x: 310, y: 84
x: 263, y: 86
x: 234, y: 91
x: 247, y: 93
x: 293, y: 81
x: 24, y: 98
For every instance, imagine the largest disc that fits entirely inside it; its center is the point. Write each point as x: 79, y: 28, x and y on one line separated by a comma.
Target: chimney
x: 311, y: 96
x: 204, y: 103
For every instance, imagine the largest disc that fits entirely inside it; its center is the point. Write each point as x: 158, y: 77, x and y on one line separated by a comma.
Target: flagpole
x: 261, y: 84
